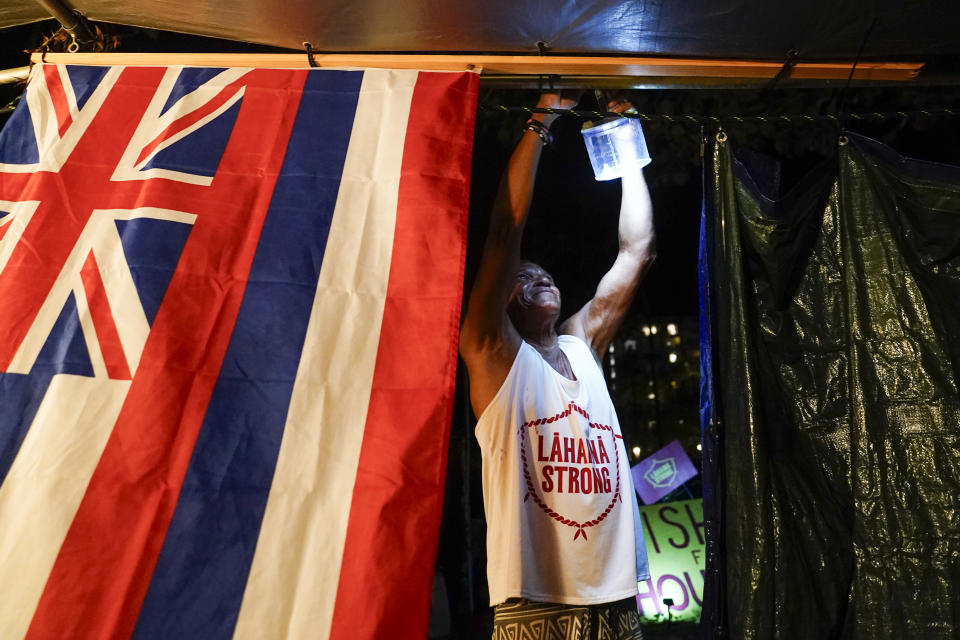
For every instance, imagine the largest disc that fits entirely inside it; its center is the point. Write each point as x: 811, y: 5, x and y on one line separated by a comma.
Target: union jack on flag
x: 229, y: 302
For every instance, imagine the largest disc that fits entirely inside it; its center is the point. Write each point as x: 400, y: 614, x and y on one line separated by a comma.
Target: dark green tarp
x: 837, y: 353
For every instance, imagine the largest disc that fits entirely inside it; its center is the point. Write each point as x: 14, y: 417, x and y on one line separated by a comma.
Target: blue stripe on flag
x: 21, y: 398
x: 152, y: 249
x: 65, y: 351
x: 200, y: 152
x: 188, y: 81
x: 84, y: 81
x: 18, y: 143
x: 201, y: 573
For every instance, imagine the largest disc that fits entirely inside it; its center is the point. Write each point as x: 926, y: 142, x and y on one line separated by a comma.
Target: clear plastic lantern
x: 615, y: 145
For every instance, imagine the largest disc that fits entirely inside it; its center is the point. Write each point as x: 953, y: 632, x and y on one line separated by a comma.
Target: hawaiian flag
x: 229, y: 303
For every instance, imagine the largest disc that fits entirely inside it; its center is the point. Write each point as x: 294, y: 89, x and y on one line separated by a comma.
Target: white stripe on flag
x: 47, y: 481
x: 17, y: 219
x: 293, y: 580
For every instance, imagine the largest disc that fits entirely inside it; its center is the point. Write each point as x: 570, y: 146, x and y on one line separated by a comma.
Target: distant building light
x: 636, y: 452
x: 672, y: 357
x: 672, y: 329
x: 646, y: 330
x: 630, y: 344
x: 653, y: 329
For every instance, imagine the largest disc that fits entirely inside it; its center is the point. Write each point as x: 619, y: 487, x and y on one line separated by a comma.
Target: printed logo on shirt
x: 574, y: 452
x: 561, y: 464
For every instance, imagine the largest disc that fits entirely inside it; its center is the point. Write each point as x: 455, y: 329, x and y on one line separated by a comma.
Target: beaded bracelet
x: 542, y: 130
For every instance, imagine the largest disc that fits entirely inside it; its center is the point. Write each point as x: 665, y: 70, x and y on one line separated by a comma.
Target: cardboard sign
x: 675, y: 540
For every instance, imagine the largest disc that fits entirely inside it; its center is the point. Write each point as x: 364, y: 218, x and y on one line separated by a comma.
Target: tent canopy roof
x: 759, y: 29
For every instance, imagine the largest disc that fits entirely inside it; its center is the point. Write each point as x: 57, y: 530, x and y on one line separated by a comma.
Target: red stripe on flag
x: 107, y: 335
x: 58, y: 96
x: 103, y: 570
x: 389, y: 553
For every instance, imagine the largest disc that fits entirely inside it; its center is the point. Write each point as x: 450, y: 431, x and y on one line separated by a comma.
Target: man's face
x: 533, y: 289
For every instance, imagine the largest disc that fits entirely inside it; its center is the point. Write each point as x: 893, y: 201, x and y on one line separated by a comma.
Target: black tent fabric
x: 816, y: 29
x: 837, y: 343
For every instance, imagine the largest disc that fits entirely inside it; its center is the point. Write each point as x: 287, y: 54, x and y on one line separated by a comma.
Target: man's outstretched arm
x: 598, y: 320
x: 488, y: 341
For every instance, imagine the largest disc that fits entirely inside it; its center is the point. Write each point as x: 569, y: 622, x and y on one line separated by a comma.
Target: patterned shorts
x: 521, y: 619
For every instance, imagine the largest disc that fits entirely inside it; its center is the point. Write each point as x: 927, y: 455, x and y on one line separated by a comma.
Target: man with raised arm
x: 565, y: 545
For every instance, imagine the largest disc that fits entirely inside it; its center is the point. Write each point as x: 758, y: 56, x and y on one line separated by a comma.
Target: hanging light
x: 615, y: 145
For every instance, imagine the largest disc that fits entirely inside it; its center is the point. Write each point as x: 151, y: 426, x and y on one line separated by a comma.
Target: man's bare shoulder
x: 575, y: 326
x: 488, y: 364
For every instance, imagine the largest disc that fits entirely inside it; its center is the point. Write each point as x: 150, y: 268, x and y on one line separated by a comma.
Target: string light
x: 731, y: 120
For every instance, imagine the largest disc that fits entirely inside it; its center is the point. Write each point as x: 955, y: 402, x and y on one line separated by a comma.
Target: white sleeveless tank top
x: 562, y: 520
